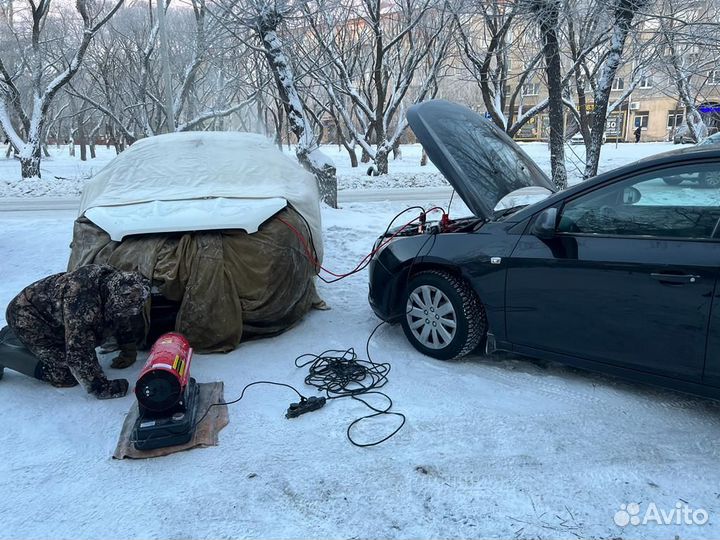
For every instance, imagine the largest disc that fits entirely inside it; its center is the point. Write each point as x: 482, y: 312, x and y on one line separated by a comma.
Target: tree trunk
x: 58, y: 131
x: 31, y: 153
x: 696, y: 125
x: 71, y: 143
x: 423, y: 158
x: 325, y: 175
x: 30, y: 160
x: 30, y: 167
x: 397, y: 151
x: 548, y: 13
x: 307, y: 149
x: 81, y: 138
x: 381, y: 160
x: 353, y: 157
x: 622, y: 19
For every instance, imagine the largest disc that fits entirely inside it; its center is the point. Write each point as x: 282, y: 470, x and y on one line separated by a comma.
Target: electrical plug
x: 312, y: 403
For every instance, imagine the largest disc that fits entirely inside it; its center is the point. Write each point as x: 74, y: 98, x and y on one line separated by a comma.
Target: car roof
x: 672, y: 157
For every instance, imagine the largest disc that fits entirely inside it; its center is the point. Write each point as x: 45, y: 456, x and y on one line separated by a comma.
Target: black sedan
x: 618, y: 274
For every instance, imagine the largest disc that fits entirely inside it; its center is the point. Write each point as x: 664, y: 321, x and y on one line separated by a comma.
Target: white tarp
x: 191, y: 167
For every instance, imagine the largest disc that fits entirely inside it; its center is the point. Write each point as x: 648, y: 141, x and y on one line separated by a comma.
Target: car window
x: 677, y: 202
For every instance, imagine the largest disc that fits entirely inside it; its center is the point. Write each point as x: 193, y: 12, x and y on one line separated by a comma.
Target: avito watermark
x: 680, y: 514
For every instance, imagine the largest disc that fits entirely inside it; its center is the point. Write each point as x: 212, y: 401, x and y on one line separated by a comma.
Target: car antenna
x: 451, y: 200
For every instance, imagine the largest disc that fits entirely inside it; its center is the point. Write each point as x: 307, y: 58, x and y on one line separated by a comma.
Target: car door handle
x: 674, y: 279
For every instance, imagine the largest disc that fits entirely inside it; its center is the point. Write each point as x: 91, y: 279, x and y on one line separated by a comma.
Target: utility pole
x: 165, y: 58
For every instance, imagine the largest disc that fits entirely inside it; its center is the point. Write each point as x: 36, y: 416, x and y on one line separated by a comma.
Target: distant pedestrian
x: 638, y: 132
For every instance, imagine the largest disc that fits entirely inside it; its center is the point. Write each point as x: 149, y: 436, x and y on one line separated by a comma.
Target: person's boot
x: 14, y: 355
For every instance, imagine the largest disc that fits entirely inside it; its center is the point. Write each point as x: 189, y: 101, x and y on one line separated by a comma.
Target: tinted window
x: 679, y: 202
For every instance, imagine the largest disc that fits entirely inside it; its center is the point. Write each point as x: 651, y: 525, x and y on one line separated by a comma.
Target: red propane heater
x: 166, y: 394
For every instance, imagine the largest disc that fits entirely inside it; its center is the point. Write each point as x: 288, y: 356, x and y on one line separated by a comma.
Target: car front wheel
x: 443, y: 316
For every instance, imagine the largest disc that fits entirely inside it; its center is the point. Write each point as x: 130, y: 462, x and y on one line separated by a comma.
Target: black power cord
x: 341, y: 374
x: 242, y: 394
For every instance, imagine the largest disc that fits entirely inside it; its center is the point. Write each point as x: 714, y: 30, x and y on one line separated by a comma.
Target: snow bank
x: 64, y: 176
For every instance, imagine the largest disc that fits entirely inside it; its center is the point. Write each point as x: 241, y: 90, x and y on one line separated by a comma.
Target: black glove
x: 115, y: 388
x: 125, y: 359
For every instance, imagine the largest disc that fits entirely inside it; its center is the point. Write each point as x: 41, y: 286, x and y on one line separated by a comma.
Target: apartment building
x: 654, y: 104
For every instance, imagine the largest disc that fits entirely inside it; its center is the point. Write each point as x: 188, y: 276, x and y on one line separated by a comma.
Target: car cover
x: 224, y: 224
x: 230, y: 285
x: 199, y: 181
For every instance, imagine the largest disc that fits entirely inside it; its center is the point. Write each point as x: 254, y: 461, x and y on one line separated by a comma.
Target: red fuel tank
x: 166, y: 373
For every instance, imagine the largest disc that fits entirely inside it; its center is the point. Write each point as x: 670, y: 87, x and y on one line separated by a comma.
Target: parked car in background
x: 617, y: 274
x: 578, y: 139
x: 712, y: 139
x: 682, y: 135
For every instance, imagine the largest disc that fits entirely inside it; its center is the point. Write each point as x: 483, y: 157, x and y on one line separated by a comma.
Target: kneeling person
x: 62, y: 318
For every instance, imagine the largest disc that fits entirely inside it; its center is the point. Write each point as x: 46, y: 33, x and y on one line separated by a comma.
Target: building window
x: 675, y: 119
x: 641, y: 119
x: 531, y: 89
x: 646, y: 82
x: 507, y: 90
x: 714, y: 77
x: 618, y: 83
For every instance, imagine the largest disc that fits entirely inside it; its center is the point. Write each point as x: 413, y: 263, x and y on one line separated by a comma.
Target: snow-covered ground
x: 493, y: 446
x: 64, y: 176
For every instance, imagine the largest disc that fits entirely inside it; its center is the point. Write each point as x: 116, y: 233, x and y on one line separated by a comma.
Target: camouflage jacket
x: 84, y: 307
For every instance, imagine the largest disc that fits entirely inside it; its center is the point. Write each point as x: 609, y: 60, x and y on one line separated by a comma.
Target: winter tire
x: 443, y: 316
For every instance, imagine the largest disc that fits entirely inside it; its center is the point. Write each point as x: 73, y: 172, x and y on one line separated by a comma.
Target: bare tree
x: 374, y: 59
x: 491, y: 38
x: 547, y: 16
x: 42, y: 64
x: 126, y: 80
x: 689, y: 47
x: 265, y: 20
x: 622, y: 13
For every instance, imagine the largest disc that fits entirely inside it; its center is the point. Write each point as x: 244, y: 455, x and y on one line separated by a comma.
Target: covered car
x: 224, y: 224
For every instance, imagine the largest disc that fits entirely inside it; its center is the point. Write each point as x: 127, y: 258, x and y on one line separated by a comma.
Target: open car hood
x: 479, y: 160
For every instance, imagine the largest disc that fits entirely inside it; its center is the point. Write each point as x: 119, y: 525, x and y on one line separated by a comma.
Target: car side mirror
x: 544, y: 225
x: 631, y: 195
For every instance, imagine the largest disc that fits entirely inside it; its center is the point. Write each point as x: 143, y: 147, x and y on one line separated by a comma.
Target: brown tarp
x: 231, y: 285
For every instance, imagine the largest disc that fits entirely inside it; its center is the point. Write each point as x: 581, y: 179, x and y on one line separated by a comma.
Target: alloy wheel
x: 431, y: 317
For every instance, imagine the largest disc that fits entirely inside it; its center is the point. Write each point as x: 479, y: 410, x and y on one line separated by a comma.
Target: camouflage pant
x: 42, y: 340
